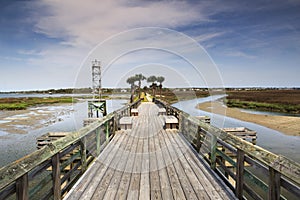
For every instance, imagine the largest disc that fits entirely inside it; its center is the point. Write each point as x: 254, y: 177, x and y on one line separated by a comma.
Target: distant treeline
x: 67, y: 91
x: 111, y: 90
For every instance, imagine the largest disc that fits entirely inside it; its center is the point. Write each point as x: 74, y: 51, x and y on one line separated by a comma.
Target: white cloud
x: 86, y: 23
x: 239, y: 54
x: 80, y: 25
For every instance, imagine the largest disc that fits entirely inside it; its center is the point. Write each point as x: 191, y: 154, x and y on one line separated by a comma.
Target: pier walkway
x: 147, y: 162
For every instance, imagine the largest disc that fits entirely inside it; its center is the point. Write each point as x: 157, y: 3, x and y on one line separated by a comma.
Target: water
x: 15, y: 146
x: 272, y: 140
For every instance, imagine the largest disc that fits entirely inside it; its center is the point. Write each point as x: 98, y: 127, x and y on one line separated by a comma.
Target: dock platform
x: 148, y: 162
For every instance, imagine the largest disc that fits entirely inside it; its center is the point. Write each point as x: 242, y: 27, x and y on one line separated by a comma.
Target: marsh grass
x: 24, y: 103
x: 273, y: 107
x: 274, y: 100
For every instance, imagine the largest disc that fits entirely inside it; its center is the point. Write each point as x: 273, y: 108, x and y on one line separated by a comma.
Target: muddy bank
x: 285, y: 124
x: 23, y: 121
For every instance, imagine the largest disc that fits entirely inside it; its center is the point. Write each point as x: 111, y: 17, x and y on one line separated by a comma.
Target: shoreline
x: 24, y: 121
x: 287, y: 125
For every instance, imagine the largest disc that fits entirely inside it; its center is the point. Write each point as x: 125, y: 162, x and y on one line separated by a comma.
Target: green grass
x: 24, y: 103
x: 13, y: 106
x: 274, y: 107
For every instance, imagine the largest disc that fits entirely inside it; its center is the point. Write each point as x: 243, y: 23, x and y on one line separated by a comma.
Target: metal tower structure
x: 99, y: 105
x: 96, y: 78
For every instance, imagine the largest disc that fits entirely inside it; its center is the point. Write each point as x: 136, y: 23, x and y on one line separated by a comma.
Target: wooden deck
x: 147, y: 162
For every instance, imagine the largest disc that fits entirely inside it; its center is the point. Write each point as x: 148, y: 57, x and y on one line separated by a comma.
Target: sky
x: 47, y: 44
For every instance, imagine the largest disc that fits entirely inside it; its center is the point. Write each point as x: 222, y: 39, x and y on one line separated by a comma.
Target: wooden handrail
x: 285, y: 166
x: 282, y: 171
x: 17, y: 172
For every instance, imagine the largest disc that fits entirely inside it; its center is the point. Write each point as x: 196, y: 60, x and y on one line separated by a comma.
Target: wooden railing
x: 249, y: 170
x: 50, y: 172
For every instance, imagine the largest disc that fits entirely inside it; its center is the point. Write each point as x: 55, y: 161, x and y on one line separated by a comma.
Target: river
x: 272, y: 140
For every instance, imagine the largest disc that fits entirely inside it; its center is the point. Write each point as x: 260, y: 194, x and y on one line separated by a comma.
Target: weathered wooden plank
x: 126, y: 176
x: 212, y: 188
x: 104, y: 160
x: 189, y: 171
x: 119, y: 166
x: 155, y: 191
x: 105, y: 182
x: 166, y: 189
x: 56, y: 177
x: 22, y: 187
x: 239, y: 174
x: 145, y: 173
x: 177, y: 191
x: 185, y: 183
x: 134, y: 187
x: 274, y: 184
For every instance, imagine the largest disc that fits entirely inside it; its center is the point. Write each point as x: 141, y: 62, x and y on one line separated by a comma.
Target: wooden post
x: 224, y: 162
x: 180, y: 124
x: 56, y: 177
x: 98, y: 141
x: 22, y: 187
x: 239, y: 184
x: 83, y: 154
x: 274, y: 184
x: 107, y: 131
x: 213, y: 151
x: 198, y: 143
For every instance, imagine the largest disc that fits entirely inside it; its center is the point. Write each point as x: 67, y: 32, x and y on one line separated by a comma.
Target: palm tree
x: 131, y: 80
x: 160, y: 79
x: 140, y: 78
x: 152, y: 79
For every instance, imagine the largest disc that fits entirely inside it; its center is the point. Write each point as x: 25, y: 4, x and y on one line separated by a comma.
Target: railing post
x: 56, y: 177
x: 181, y: 124
x: 198, y: 142
x: 213, y: 151
x: 98, y: 142
x: 274, y: 184
x: 107, y: 131
x: 239, y: 184
x: 83, y: 154
x: 22, y: 187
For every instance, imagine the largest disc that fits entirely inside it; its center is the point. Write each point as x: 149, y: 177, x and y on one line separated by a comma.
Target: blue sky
x: 47, y: 44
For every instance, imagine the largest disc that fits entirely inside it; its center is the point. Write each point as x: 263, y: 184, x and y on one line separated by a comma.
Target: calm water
x: 270, y: 139
x: 26, y: 143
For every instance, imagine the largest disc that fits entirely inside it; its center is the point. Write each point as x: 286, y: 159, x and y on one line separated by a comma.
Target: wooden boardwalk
x: 147, y: 162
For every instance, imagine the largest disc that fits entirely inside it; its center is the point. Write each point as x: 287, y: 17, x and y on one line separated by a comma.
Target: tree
x: 140, y: 78
x: 152, y: 79
x: 160, y: 79
x: 131, y: 80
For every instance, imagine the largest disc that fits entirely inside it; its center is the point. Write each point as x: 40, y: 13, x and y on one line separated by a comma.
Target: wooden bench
x: 162, y: 111
x: 134, y: 112
x: 171, y: 122
x: 126, y: 123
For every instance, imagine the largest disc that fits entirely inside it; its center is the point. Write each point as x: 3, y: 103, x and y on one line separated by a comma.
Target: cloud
x: 78, y: 26
x: 90, y: 22
x: 239, y: 54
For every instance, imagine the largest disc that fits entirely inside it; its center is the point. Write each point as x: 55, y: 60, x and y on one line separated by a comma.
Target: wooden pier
x: 150, y: 161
